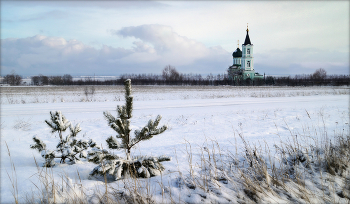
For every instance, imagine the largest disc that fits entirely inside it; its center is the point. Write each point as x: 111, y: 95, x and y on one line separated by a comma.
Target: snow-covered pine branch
x: 49, y: 157
x: 97, y: 155
x: 39, y: 144
x: 58, y: 122
x: 148, y: 131
x: 128, y: 98
x: 115, y: 123
x: 144, y: 167
x: 74, y: 131
x: 122, y: 112
x: 114, y: 144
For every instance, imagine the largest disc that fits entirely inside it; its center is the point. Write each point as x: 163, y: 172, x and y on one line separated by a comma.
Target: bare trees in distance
x: 171, y: 76
x: 52, y: 80
x: 12, y: 79
x: 170, y: 73
x: 320, y: 74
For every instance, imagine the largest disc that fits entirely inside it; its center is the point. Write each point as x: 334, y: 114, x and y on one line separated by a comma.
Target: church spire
x: 247, y: 39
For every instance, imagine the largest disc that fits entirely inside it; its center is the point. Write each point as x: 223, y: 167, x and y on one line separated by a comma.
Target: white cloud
x: 54, y: 55
x: 155, y: 47
x: 140, y: 46
x: 302, y: 61
x: 173, y: 48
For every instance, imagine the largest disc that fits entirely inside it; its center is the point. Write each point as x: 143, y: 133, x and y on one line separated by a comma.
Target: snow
x: 193, y: 117
x: 65, y: 94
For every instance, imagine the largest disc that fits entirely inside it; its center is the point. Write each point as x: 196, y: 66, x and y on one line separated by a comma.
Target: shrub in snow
x: 117, y: 167
x: 68, y: 148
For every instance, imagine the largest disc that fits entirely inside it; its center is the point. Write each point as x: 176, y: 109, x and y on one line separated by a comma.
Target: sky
x: 117, y: 37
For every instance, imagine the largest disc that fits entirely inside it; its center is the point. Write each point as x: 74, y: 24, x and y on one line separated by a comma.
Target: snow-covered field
x: 59, y: 94
x: 195, y: 116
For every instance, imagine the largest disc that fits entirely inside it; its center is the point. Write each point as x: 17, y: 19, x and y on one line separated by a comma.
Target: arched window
x: 248, y: 51
x: 248, y: 63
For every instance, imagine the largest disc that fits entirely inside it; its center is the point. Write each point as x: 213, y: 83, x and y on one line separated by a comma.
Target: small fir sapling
x: 68, y: 148
x: 116, y: 166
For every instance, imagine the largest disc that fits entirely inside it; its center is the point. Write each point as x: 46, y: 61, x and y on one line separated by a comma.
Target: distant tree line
x: 318, y: 78
x: 52, y: 80
x: 170, y: 76
x: 12, y: 79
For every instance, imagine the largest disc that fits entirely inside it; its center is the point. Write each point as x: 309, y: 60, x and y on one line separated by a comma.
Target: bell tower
x: 247, y: 54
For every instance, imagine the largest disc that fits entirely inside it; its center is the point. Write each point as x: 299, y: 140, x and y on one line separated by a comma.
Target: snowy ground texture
x: 65, y: 94
x: 204, y: 140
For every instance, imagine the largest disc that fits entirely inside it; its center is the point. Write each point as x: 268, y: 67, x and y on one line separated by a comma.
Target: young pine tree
x: 68, y: 148
x: 116, y: 166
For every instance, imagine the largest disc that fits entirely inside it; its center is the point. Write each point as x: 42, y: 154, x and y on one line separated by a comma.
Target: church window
x: 248, y: 63
x: 248, y: 51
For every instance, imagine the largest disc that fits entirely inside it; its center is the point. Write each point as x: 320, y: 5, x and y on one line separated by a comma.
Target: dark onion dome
x: 237, y: 53
x: 247, y: 39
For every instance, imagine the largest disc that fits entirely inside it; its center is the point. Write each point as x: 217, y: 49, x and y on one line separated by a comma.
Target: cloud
x: 55, y: 55
x: 155, y: 47
x: 172, y: 47
x: 302, y: 61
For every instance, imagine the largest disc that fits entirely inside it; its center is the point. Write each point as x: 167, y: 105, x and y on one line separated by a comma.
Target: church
x: 243, y: 63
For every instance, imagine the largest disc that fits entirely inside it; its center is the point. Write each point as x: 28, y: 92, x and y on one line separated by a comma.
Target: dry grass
x: 12, y: 177
x: 50, y: 189
x: 21, y: 124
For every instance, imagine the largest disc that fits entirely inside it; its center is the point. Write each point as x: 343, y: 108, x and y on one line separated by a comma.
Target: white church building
x: 243, y: 63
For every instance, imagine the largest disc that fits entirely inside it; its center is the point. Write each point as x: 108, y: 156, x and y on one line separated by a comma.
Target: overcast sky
x: 116, y: 37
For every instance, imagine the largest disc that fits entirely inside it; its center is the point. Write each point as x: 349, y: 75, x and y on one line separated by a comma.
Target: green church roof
x: 237, y: 53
